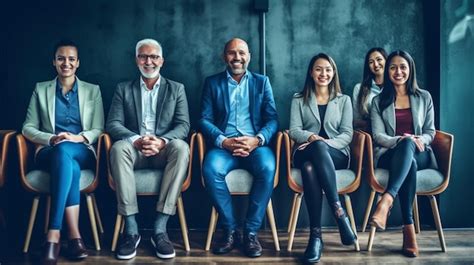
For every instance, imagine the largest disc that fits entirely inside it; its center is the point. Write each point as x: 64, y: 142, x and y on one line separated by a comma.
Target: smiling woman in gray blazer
x: 64, y: 118
x: 402, y: 119
x: 321, y: 126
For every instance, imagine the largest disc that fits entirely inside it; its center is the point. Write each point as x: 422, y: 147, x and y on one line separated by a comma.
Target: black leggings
x: 318, y: 163
x: 402, y: 162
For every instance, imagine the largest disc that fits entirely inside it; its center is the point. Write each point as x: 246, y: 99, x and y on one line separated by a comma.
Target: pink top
x: 404, y: 121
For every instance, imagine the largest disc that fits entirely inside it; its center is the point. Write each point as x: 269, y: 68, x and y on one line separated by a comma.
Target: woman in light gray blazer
x: 402, y: 119
x: 64, y: 118
x: 321, y: 126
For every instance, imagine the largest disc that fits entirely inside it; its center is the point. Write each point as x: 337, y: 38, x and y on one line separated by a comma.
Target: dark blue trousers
x: 64, y: 163
x: 260, y: 163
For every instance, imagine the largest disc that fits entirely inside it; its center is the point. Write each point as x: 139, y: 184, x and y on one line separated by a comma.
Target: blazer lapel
x: 415, y: 112
x: 137, y: 98
x: 313, y: 105
x: 162, y: 92
x: 389, y: 115
x: 51, y: 99
x: 224, y: 84
x: 81, y: 94
x: 252, y: 94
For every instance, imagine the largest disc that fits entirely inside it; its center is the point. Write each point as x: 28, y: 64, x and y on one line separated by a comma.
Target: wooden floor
x: 386, y: 250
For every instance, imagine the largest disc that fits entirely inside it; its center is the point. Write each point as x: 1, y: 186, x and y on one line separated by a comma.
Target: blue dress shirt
x: 67, y: 114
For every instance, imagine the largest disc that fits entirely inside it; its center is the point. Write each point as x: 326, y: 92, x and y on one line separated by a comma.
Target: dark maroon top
x: 404, y: 121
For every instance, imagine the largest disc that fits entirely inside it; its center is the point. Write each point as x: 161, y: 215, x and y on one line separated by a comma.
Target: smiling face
x: 149, y: 61
x: 322, y: 73
x: 237, y: 57
x: 66, y: 61
x: 376, y: 63
x: 399, y: 71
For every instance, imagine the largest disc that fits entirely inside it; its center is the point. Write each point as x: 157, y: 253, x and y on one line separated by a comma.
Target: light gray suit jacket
x: 39, y: 123
x: 384, y: 122
x: 172, y: 115
x: 305, y: 121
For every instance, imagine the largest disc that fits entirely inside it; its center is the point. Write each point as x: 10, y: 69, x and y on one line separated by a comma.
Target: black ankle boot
x: 348, y: 237
x: 315, y: 246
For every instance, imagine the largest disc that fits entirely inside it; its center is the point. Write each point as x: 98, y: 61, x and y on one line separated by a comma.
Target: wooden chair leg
x: 437, y: 219
x: 371, y: 238
x: 292, y: 212
x: 90, y: 208
x: 416, y: 215
x: 271, y: 219
x: 31, y: 223
x: 184, y: 226
x: 211, y: 229
x: 47, y: 211
x: 118, y: 225
x: 97, y: 215
x: 368, y: 209
x: 291, y: 235
x: 350, y: 212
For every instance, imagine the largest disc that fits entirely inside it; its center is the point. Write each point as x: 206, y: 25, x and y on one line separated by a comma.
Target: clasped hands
x: 240, y: 146
x: 66, y: 136
x: 149, y: 145
x: 416, y: 139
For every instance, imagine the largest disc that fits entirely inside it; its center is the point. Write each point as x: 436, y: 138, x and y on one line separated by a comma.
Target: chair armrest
x: 191, y: 142
x: 5, y: 136
x: 357, y: 146
x: 26, y: 153
x: 288, y: 157
x: 107, y: 145
x: 277, y: 147
x: 201, y: 152
x: 443, y: 150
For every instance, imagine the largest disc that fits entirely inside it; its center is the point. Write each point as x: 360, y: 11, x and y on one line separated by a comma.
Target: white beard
x: 150, y: 75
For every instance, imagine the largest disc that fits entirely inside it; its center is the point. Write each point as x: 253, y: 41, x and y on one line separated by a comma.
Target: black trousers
x: 402, y: 162
x: 318, y: 163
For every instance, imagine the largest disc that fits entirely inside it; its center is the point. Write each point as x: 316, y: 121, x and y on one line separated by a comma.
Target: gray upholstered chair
x: 348, y: 181
x: 148, y: 184
x: 429, y: 182
x: 38, y: 182
x: 5, y: 138
x: 239, y: 182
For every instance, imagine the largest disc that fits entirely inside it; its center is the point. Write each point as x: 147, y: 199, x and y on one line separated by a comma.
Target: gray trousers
x: 173, y: 159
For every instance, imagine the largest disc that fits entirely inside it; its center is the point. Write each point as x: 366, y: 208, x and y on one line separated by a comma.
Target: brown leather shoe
x: 379, y: 218
x: 50, y: 253
x: 76, y: 249
x: 410, y: 247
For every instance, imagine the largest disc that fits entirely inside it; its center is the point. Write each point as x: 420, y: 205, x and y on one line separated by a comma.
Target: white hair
x: 149, y: 42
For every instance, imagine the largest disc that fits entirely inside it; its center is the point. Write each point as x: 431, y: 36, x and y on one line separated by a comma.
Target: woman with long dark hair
x: 371, y: 86
x: 321, y: 126
x: 402, y: 119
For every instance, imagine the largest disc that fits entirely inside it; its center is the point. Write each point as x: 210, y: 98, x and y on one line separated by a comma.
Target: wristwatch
x: 260, y: 141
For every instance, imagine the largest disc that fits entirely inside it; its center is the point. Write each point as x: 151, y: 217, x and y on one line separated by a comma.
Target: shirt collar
x: 59, y: 86
x: 156, y: 86
x: 230, y: 78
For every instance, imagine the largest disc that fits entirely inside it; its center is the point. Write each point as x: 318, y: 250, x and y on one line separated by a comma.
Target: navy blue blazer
x: 215, y: 106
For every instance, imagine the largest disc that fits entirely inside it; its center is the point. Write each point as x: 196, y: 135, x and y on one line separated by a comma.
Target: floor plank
x: 386, y: 250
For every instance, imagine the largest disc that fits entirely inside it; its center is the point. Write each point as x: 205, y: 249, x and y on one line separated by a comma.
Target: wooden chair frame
x: 214, y: 215
x: 119, y: 222
x: 357, y: 153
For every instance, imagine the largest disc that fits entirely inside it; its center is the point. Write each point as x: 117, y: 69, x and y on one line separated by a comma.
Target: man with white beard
x: 148, y: 120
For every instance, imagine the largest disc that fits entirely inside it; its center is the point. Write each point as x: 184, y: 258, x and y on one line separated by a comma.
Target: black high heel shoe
x: 314, y: 249
x: 348, y: 237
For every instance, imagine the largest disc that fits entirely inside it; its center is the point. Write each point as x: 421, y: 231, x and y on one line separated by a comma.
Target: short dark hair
x: 63, y: 43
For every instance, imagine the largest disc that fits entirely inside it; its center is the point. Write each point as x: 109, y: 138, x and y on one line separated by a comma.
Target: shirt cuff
x: 220, y: 139
x: 132, y: 139
x: 259, y: 135
x: 165, y: 139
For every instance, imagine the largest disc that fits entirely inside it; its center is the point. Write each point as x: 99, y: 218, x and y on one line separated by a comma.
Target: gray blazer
x: 384, y: 122
x: 39, y: 123
x: 172, y: 115
x: 305, y: 121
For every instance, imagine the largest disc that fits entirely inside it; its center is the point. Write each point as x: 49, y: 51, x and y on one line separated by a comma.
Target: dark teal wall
x: 456, y: 116
x: 192, y: 33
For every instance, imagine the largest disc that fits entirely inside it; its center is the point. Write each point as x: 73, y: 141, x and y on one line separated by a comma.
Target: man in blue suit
x: 238, y: 120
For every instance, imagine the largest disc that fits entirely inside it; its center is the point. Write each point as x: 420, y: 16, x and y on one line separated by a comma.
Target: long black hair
x: 309, y: 85
x: 366, y: 83
x: 387, y: 96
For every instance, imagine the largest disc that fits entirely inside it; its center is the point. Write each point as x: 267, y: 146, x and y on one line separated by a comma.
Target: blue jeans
x: 402, y: 162
x: 64, y: 163
x: 260, y: 163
